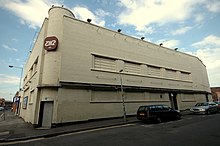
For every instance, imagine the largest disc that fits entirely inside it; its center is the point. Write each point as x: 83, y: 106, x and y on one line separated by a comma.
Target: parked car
x: 218, y: 103
x: 157, y: 113
x: 1, y: 108
x: 205, y: 108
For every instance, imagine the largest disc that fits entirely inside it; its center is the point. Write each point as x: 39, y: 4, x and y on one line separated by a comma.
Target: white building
x: 73, y: 73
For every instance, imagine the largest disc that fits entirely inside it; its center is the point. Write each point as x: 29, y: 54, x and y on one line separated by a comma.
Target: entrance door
x: 173, y: 100
x: 46, y: 112
x: 207, y: 97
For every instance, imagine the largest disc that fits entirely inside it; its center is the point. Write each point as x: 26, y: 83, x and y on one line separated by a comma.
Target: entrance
x: 45, y: 115
x: 207, y: 97
x: 173, y: 100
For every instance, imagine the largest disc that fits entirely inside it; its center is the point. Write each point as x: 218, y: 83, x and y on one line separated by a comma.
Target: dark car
x: 157, y: 113
x: 218, y: 103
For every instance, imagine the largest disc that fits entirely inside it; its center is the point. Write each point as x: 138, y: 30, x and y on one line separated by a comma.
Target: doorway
x: 173, y: 100
x: 207, y: 97
x: 45, y: 115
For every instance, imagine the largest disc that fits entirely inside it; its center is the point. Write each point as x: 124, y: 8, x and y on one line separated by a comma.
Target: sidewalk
x: 14, y: 128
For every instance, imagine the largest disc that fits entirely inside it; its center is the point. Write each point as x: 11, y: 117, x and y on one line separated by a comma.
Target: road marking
x: 147, y: 126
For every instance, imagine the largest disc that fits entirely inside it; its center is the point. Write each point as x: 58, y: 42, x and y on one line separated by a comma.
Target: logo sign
x: 50, y: 43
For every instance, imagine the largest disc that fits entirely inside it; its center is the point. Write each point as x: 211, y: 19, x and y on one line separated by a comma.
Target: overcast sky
x: 190, y: 25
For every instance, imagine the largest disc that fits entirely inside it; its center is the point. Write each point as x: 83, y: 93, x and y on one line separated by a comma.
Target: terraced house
x: 77, y: 69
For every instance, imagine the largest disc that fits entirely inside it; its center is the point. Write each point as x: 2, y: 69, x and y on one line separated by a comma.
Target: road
x: 191, y: 130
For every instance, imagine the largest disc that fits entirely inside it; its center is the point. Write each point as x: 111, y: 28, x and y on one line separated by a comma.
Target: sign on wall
x: 50, y: 43
x: 25, y: 102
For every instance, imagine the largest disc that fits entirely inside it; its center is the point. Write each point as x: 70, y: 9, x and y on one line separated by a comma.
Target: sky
x: 192, y: 26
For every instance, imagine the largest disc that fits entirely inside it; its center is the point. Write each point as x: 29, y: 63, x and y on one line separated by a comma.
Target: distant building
x: 2, y: 102
x: 215, y: 93
x: 73, y: 73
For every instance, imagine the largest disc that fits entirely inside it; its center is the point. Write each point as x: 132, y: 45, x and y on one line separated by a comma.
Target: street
x: 191, y: 130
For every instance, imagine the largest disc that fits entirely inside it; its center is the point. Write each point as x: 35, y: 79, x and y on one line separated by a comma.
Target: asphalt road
x: 191, y: 130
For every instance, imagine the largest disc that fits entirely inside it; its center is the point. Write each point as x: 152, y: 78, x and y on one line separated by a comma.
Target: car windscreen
x: 142, y: 108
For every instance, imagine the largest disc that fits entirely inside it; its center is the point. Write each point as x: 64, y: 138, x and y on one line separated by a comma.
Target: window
x: 132, y: 67
x: 154, y: 71
x: 35, y: 66
x: 104, y: 63
x: 31, y: 97
x: 171, y: 74
x: 184, y: 76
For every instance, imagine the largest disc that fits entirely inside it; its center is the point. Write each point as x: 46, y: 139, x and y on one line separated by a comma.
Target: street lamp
x: 123, y: 98
x: 11, y: 66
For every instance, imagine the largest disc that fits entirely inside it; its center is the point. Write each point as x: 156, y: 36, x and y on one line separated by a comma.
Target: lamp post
x: 17, y: 101
x: 11, y: 66
x: 123, y: 98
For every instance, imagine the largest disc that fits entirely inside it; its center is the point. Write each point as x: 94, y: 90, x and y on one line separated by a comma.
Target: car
x: 218, y: 103
x: 1, y: 108
x: 205, y: 108
x: 157, y: 113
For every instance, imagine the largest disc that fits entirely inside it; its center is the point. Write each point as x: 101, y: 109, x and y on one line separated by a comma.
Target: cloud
x: 209, y: 51
x: 6, y: 79
x: 84, y: 13
x: 9, y: 48
x: 208, y: 42
x: 213, y: 6
x: 101, y: 13
x: 181, y: 30
x: 31, y: 12
x: 169, y: 43
x: 143, y: 13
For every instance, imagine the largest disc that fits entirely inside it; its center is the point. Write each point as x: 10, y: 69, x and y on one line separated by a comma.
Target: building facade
x: 76, y: 70
x: 215, y: 93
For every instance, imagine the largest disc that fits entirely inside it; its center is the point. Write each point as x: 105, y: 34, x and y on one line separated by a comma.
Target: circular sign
x: 50, y: 43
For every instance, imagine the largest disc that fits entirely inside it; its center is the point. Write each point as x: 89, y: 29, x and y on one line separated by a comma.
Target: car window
x: 212, y: 104
x: 166, y: 107
x: 160, y: 107
x: 152, y: 108
x: 198, y: 104
x: 205, y: 104
x: 142, y: 108
x: 202, y: 104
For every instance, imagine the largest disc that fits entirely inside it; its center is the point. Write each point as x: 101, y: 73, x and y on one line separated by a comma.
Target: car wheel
x: 178, y: 117
x: 158, y: 120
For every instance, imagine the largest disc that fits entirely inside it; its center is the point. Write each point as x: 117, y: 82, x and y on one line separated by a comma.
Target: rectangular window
x: 171, y: 74
x: 132, y: 67
x: 35, y: 66
x: 184, y: 76
x: 104, y: 63
x: 154, y: 71
x: 31, y: 98
x: 25, y: 102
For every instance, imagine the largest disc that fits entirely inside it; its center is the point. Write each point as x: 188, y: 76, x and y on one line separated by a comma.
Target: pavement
x: 14, y: 128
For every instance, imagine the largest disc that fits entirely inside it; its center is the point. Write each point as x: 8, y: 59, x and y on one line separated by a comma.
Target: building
x: 215, y: 93
x: 76, y: 69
